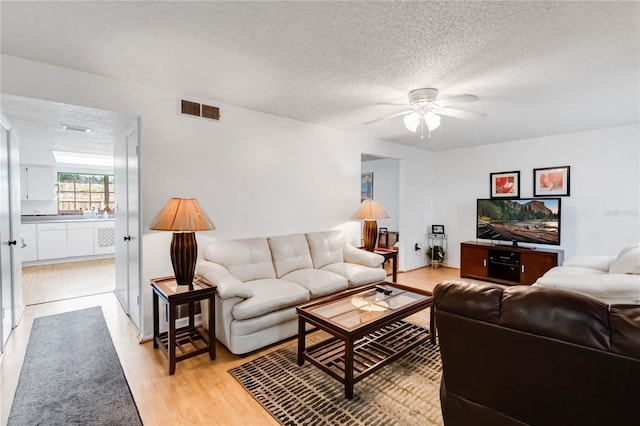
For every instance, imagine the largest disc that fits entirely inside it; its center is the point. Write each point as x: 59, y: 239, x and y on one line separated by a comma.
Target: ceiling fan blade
x: 460, y: 99
x: 392, y: 104
x: 390, y: 116
x: 461, y: 113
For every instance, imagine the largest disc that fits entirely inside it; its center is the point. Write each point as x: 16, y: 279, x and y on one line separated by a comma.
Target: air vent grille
x: 199, y: 110
x: 76, y: 128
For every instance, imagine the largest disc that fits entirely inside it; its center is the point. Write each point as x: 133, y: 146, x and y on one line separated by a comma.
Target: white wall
x: 599, y: 217
x: 255, y: 174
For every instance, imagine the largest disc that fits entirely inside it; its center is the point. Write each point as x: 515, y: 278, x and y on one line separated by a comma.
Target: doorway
x: 382, y: 178
x: 69, y: 239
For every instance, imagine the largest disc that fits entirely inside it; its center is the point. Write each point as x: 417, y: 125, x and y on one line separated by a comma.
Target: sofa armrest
x: 228, y: 285
x: 601, y: 263
x: 362, y: 257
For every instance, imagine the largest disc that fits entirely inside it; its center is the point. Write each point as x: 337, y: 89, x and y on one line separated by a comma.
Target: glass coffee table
x: 366, y: 329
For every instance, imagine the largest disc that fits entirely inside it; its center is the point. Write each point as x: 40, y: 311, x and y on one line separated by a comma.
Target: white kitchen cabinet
x: 29, y: 238
x: 80, y: 239
x: 52, y: 240
x: 37, y: 183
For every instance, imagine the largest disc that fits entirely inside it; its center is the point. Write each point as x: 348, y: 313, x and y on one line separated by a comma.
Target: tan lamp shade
x: 182, y: 215
x: 370, y: 210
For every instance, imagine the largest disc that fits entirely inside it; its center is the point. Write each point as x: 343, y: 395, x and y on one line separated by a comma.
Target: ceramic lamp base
x: 184, y: 252
x: 370, y: 234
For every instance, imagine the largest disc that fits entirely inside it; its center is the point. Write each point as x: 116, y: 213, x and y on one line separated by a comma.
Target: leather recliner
x: 539, y: 356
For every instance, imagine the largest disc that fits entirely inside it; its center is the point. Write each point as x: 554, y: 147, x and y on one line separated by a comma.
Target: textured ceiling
x: 39, y: 125
x: 539, y: 68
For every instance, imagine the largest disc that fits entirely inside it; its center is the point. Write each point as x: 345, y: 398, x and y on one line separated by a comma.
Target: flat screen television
x: 524, y: 220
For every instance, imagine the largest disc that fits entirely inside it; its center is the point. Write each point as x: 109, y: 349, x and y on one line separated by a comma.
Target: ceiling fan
x: 425, y: 109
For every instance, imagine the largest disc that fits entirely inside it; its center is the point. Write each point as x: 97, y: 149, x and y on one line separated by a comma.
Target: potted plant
x: 436, y: 255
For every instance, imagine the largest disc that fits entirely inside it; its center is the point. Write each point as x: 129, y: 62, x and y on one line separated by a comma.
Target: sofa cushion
x: 254, y: 325
x: 247, y: 260
x: 325, y: 247
x: 610, y: 288
x: 600, y: 263
x: 628, y: 262
x: 572, y: 270
x: 269, y: 295
x: 317, y: 281
x: 357, y: 275
x: 289, y: 253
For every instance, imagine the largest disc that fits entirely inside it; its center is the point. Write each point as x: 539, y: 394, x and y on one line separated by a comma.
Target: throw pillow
x: 628, y: 262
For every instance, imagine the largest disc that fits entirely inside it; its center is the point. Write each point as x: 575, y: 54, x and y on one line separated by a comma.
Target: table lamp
x: 370, y: 210
x: 183, y: 216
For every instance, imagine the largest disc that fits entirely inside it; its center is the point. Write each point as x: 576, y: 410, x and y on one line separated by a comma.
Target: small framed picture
x: 505, y: 184
x: 551, y: 181
x: 437, y: 229
x: 366, y: 186
x: 382, y: 238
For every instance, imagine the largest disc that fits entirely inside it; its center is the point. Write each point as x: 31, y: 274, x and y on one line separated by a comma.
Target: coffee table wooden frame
x: 351, y: 355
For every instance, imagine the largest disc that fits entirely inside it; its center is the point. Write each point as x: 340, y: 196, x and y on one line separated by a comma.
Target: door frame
x: 17, y: 279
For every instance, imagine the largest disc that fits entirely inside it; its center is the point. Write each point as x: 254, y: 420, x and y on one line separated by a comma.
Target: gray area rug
x: 72, y: 375
x: 405, y: 392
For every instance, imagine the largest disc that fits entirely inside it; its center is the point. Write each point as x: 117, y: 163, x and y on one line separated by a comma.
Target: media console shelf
x: 505, y: 264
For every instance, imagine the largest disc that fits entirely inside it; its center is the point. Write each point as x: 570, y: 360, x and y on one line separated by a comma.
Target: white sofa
x: 612, y: 279
x: 261, y: 281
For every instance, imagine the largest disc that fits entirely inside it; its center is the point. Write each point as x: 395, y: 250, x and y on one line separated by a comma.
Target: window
x: 78, y: 192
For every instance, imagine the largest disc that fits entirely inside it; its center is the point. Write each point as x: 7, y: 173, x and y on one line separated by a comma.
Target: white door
x: 16, y: 226
x: 127, y: 225
x: 5, y: 239
x: 10, y: 260
x: 133, y: 223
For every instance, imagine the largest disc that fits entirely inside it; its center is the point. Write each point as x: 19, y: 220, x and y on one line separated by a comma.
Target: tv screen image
x: 525, y: 220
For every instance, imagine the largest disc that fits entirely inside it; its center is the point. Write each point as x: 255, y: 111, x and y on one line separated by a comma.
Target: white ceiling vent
x: 76, y: 128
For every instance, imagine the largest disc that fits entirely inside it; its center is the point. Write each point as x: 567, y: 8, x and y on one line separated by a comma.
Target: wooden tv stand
x: 505, y: 264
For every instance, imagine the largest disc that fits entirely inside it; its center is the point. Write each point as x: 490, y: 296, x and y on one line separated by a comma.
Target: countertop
x: 63, y: 218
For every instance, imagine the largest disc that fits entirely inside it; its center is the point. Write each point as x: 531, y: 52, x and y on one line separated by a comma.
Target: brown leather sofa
x: 538, y: 356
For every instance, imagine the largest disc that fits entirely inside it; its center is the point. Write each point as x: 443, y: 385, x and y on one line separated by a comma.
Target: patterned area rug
x: 405, y: 392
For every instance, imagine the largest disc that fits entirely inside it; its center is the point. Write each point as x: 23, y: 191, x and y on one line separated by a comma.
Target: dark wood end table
x: 188, y: 340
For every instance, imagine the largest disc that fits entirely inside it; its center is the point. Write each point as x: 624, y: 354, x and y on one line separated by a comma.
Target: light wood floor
x: 47, y: 283
x: 200, y: 393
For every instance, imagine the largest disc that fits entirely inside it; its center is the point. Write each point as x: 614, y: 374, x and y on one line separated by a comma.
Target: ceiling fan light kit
x: 415, y: 119
x: 425, y: 110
